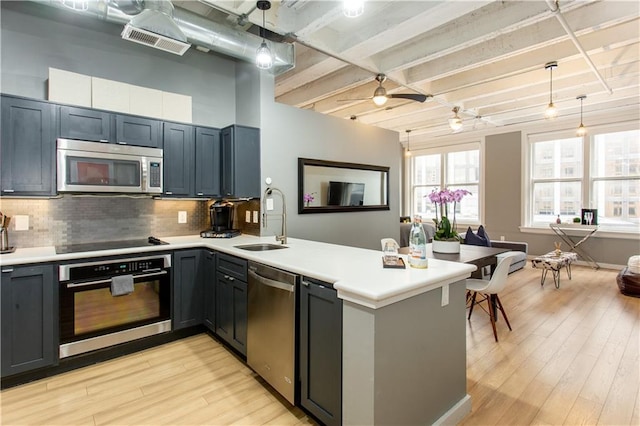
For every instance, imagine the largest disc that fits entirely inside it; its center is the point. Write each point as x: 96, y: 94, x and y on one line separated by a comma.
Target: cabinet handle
x: 199, y: 194
x: 227, y: 277
x: 8, y: 190
x: 7, y: 270
x: 104, y: 140
x: 305, y: 283
x: 169, y: 193
x: 122, y: 143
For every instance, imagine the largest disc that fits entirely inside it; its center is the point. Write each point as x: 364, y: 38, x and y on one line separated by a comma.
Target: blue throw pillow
x: 483, y: 234
x: 474, y: 239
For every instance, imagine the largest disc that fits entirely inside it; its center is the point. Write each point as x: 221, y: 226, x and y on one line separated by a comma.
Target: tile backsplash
x: 86, y: 219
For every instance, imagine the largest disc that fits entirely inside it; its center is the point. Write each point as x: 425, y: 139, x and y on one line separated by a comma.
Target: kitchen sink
x: 261, y: 247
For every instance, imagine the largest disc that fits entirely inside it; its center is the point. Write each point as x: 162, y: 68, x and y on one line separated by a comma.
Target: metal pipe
x: 555, y: 9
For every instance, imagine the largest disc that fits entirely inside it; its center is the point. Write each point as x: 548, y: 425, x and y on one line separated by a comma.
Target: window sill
x: 602, y: 232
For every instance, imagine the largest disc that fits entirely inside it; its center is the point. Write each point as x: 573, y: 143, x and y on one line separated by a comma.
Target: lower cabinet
x: 231, y: 301
x: 188, y: 300
x: 209, y: 284
x: 29, y: 334
x: 320, y: 349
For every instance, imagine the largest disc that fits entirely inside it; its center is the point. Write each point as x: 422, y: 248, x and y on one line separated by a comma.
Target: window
x: 598, y: 171
x: 451, y: 167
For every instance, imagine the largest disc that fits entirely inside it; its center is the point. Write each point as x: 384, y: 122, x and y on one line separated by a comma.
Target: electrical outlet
x: 256, y: 218
x: 21, y: 222
x: 247, y: 216
x: 182, y: 216
x: 269, y: 204
x: 445, y: 295
x: 501, y: 237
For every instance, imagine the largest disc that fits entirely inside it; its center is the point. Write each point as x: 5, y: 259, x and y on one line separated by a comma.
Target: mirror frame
x: 302, y: 209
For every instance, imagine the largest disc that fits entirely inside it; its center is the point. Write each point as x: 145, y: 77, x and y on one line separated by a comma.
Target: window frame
x: 443, y: 150
x: 588, y: 178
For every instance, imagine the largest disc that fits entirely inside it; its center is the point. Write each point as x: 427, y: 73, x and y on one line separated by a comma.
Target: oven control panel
x: 110, y: 268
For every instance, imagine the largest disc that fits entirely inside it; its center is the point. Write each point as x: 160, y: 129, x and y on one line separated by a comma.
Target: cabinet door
x: 321, y: 351
x: 29, y: 318
x: 240, y: 161
x: 179, y: 156
x: 188, y: 301
x: 209, y: 284
x: 208, y: 152
x: 139, y: 131
x: 28, y: 147
x: 231, y: 311
x: 85, y: 124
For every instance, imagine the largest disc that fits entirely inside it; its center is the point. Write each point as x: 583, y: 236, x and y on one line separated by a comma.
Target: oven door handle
x: 88, y: 283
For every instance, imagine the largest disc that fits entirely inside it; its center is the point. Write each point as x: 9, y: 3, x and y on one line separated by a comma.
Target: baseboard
x: 456, y: 413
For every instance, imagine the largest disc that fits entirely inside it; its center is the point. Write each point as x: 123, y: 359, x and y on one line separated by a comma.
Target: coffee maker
x: 221, y: 219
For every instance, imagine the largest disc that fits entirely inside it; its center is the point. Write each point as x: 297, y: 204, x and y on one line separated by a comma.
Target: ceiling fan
x: 380, y: 96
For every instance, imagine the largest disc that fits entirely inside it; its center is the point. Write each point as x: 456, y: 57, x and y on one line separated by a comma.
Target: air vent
x: 157, y: 41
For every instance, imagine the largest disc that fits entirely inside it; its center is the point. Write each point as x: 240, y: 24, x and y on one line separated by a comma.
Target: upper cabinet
x: 179, y: 157
x: 208, y: 162
x: 100, y: 126
x: 240, y: 161
x: 28, y: 147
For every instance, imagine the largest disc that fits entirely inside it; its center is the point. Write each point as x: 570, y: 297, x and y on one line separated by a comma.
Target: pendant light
x: 455, y: 122
x: 551, y: 111
x: 264, y: 58
x: 581, y: 129
x: 353, y: 8
x: 407, y: 153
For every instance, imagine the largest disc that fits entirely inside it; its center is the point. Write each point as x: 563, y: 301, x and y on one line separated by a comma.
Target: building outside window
x: 455, y: 167
x: 601, y: 171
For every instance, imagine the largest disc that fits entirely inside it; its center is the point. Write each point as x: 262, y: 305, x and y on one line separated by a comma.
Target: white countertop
x: 356, y: 273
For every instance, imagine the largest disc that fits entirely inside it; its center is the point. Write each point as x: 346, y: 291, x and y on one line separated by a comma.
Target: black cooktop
x: 108, y: 245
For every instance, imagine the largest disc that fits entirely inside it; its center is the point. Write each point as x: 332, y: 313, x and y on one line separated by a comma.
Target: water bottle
x: 417, y: 245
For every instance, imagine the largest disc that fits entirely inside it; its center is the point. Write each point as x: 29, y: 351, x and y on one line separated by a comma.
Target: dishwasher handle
x: 272, y: 283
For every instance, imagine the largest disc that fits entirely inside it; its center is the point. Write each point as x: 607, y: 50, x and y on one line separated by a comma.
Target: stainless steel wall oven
x: 91, y: 318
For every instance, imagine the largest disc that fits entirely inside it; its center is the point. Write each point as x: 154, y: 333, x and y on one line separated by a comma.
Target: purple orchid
x: 442, y: 198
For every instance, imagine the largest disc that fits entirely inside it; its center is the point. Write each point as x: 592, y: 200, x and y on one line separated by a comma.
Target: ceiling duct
x: 198, y: 30
x: 155, y: 27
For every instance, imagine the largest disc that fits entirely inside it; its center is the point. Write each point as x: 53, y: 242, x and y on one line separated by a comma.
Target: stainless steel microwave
x: 103, y: 167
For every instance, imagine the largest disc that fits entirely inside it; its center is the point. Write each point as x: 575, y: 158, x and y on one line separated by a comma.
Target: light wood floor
x: 572, y: 358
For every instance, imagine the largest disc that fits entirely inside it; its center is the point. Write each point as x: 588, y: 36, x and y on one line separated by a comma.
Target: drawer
x: 232, y: 266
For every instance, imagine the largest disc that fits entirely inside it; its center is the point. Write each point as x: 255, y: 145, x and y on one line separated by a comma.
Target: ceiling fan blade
x: 412, y: 96
x: 353, y: 99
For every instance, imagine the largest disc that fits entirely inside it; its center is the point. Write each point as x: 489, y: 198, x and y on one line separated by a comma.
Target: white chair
x: 489, y: 290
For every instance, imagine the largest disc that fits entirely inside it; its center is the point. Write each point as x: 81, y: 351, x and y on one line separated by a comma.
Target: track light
x: 264, y: 57
x: 408, y: 151
x: 551, y: 111
x: 581, y: 129
x: 455, y: 122
x: 353, y: 8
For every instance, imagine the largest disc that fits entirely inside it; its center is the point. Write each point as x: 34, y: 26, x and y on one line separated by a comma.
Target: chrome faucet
x: 282, y: 238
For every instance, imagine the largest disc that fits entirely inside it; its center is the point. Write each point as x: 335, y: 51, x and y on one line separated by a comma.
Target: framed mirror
x: 332, y: 186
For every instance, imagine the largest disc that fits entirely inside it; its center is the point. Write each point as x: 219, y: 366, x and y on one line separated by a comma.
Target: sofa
x: 516, y: 248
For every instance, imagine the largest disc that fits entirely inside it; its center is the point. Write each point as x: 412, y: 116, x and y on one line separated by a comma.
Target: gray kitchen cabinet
x: 209, y: 285
x: 208, y: 162
x: 320, y: 350
x: 187, y: 300
x: 241, y: 161
x: 28, y: 147
x: 231, y: 301
x: 179, y: 157
x: 138, y: 131
x: 29, y: 330
x: 85, y: 124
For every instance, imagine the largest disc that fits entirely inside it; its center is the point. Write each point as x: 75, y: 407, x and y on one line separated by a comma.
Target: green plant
x: 577, y: 220
x: 445, y: 229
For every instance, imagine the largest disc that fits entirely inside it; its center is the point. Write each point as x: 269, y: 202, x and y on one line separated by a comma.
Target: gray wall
x: 34, y: 38
x: 504, y: 203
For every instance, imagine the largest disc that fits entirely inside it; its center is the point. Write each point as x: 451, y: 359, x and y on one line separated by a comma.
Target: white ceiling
x: 486, y: 57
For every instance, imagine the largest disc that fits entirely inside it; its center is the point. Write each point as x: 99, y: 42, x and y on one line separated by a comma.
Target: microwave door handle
x: 143, y: 175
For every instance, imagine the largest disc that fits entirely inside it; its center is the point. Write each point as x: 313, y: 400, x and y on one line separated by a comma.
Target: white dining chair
x: 489, y: 291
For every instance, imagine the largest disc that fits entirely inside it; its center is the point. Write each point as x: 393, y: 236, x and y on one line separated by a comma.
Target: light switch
x: 21, y: 222
x: 182, y: 216
x: 256, y: 218
x: 247, y: 216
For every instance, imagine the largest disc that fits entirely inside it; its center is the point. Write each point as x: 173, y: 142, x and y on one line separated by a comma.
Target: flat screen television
x: 345, y: 194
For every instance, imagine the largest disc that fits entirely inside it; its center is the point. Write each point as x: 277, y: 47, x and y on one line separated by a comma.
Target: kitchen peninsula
x: 404, y: 350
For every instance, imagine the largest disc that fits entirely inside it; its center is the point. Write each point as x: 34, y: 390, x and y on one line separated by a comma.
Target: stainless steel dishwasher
x: 271, y: 327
